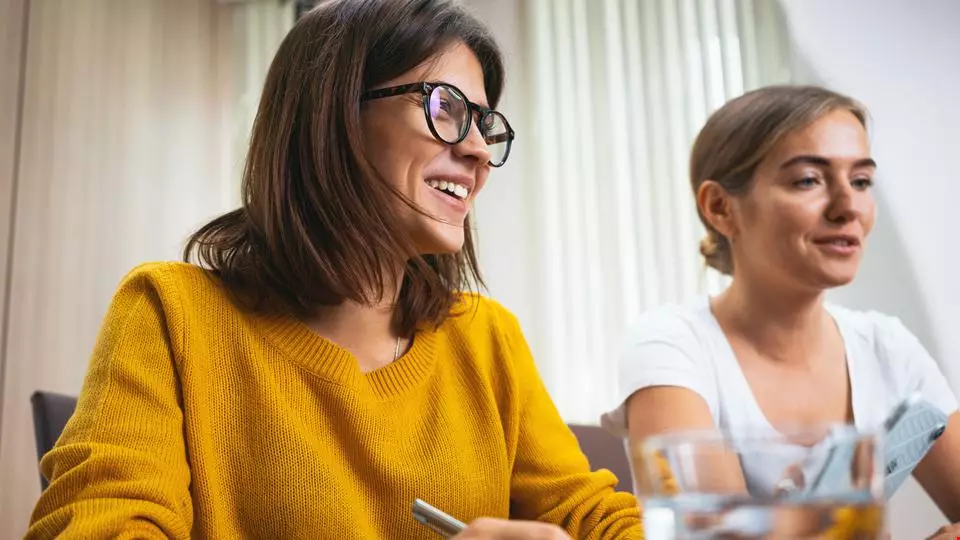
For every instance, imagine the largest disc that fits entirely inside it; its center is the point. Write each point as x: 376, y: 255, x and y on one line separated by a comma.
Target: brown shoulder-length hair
x: 741, y: 133
x: 317, y: 225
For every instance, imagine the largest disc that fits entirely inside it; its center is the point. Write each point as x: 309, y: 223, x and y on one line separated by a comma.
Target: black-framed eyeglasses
x: 450, y: 115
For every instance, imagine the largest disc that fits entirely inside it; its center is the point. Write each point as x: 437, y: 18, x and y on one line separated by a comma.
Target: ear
x: 717, y: 207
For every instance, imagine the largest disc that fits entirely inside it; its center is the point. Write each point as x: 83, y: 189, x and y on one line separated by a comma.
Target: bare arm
x: 939, y: 471
x: 661, y: 409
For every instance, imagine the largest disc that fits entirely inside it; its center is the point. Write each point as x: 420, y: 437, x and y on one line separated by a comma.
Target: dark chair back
x: 50, y: 414
x: 605, y: 451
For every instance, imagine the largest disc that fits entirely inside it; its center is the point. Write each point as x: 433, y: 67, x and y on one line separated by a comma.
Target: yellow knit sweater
x: 201, y: 420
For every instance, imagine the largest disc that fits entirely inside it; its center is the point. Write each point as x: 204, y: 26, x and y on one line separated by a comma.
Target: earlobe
x: 716, y: 207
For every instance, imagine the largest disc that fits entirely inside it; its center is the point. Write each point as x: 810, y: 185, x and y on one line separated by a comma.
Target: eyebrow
x: 441, y: 81
x: 824, y: 162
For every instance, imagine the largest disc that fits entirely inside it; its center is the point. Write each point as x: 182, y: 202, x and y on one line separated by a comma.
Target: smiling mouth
x: 840, y: 242
x: 449, y: 188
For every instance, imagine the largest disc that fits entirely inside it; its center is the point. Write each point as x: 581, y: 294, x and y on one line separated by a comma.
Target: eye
x: 807, y: 182
x: 862, y: 184
x: 440, y: 107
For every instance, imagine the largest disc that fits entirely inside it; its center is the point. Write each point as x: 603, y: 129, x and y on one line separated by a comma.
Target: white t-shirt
x: 684, y: 346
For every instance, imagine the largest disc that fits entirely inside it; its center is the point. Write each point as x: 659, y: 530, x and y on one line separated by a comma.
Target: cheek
x: 402, y: 161
x: 794, y: 216
x: 776, y: 224
x: 763, y: 214
x: 399, y: 144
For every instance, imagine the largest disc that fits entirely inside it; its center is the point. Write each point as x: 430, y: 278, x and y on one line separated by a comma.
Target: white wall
x: 902, y: 59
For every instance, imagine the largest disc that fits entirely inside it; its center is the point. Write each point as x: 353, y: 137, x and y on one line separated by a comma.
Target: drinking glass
x: 802, y: 483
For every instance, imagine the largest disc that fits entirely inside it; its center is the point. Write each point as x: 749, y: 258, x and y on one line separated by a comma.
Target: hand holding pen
x: 484, y: 528
x: 502, y: 529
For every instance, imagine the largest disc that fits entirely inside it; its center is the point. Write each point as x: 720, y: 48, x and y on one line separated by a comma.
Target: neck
x: 353, y: 319
x: 365, y: 330
x: 783, y: 325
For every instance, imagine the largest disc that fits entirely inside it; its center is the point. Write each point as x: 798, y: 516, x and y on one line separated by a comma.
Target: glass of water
x: 803, y: 483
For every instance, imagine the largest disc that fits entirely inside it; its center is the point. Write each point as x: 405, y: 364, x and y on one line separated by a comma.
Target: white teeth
x: 457, y: 190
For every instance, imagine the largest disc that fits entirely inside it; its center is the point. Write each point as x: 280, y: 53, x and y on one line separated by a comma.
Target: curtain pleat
x: 620, y: 90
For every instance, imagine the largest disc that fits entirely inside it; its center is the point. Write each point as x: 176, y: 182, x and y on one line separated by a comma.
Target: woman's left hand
x: 947, y: 532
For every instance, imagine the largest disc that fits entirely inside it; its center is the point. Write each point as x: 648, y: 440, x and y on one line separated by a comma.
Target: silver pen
x: 438, y: 521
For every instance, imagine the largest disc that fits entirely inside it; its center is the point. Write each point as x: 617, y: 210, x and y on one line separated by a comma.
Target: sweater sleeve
x: 552, y: 481
x: 119, y: 470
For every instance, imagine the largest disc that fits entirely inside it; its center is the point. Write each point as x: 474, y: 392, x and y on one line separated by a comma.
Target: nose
x: 845, y: 203
x: 473, y: 146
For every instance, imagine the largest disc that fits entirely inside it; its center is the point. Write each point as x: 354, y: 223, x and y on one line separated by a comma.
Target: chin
x: 442, y: 240
x: 836, y: 281
x: 831, y: 278
x: 446, y: 248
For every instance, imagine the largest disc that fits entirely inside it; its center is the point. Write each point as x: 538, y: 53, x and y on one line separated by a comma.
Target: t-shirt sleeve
x: 661, y: 349
x: 917, y: 371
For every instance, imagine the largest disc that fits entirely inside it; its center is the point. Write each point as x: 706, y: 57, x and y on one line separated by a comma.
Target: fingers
x: 501, y: 529
x: 947, y: 532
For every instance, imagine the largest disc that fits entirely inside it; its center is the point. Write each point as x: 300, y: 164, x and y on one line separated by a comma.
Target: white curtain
x: 258, y: 27
x: 134, y: 122
x: 618, y: 90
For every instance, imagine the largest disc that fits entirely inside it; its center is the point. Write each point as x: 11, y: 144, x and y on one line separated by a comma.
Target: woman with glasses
x: 320, y: 368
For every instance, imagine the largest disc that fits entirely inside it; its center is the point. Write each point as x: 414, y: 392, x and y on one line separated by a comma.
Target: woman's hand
x: 947, y: 532
x: 501, y: 529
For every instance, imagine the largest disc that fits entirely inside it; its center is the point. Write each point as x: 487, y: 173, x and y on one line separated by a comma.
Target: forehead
x: 457, y: 65
x: 835, y: 135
